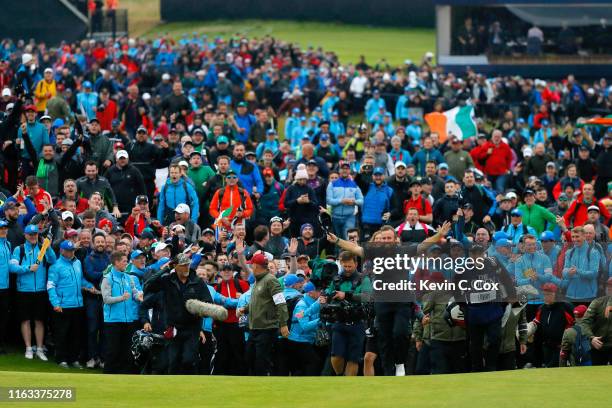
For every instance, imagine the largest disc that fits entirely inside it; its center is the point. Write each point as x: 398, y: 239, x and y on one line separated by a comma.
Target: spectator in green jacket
x: 536, y: 216
x: 597, y: 325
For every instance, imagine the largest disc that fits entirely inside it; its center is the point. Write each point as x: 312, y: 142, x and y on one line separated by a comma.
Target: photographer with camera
x: 346, y: 293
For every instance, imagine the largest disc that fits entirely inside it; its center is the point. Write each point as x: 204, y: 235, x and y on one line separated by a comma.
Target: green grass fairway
x: 569, y: 387
x: 348, y: 41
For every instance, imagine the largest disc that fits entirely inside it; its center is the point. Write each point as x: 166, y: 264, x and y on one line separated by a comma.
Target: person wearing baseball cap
x: 36, y: 132
x: 44, y: 90
x: 267, y: 312
x: 270, y: 144
x: 230, y: 338
x: 516, y: 229
x: 64, y: 285
x: 182, y: 217
x: 128, y: 183
x: 550, y: 247
x: 244, y: 120
x: 304, y: 323
x: 534, y: 215
x: 199, y: 172
x: 377, y: 203
x: 552, y: 318
x: 231, y: 200
x: 292, y: 293
x: 32, y: 297
x: 184, y: 328
x: 568, y: 356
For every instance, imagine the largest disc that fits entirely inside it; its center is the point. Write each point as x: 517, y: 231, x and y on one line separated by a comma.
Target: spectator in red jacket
x: 577, y: 213
x: 106, y: 110
x: 41, y: 198
x: 140, y: 218
x: 540, y: 116
x: 496, y: 157
x: 476, y: 151
x: 230, y: 337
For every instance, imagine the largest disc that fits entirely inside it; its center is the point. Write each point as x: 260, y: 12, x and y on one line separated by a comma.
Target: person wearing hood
x: 15, y: 219
x: 302, y: 204
x: 305, y: 321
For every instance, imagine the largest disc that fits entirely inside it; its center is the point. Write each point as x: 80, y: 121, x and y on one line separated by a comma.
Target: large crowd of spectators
x: 137, y: 174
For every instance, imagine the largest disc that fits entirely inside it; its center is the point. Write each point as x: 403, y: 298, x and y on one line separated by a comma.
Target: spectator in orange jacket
x: 577, y: 213
x: 496, y: 157
x: 234, y: 197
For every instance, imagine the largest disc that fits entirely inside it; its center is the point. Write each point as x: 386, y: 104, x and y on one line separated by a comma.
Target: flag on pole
x: 459, y: 121
x: 225, y: 213
x: 605, y: 122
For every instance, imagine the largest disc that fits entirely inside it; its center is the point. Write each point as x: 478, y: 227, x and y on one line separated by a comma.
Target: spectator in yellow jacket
x: 45, y: 89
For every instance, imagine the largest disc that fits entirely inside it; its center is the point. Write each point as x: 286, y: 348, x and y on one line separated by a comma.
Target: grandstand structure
x: 525, y: 37
x: 54, y: 21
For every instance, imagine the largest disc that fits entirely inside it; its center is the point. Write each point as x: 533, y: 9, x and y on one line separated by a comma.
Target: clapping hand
x: 239, y: 246
x: 293, y: 246
x: 445, y: 228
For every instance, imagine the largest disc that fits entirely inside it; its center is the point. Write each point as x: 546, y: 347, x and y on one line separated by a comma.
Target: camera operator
x: 348, y: 334
x: 183, y: 331
x: 393, y: 319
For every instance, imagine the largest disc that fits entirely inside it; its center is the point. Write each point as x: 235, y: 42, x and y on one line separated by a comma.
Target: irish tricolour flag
x: 225, y: 213
x: 459, y: 121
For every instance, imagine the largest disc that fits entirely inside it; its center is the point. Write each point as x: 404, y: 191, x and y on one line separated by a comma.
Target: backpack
x: 582, y: 348
x: 291, y: 304
x: 241, y: 193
